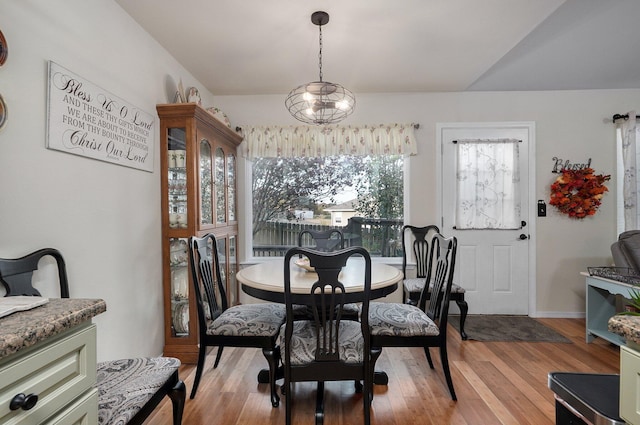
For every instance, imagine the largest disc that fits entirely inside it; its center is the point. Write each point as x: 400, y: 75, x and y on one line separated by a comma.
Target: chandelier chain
x: 320, y: 54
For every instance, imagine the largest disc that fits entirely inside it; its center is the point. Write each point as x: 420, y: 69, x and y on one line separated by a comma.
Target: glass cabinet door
x: 231, y: 187
x: 221, y: 205
x: 178, y: 260
x: 206, y: 183
x: 177, y: 178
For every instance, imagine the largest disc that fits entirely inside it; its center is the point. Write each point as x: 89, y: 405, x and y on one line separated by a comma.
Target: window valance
x: 314, y: 141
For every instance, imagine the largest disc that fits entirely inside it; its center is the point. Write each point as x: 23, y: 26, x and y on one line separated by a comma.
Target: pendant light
x: 320, y: 102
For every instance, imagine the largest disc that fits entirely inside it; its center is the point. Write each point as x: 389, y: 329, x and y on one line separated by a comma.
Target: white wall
x: 574, y: 125
x: 104, y: 218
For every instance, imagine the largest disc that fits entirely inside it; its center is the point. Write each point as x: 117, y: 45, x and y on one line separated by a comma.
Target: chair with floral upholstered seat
x: 247, y: 325
x: 325, y: 346
x: 412, y: 286
x: 424, y: 325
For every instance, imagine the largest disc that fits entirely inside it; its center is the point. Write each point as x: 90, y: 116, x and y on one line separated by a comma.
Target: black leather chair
x: 248, y: 325
x: 16, y: 273
x: 412, y: 286
x: 325, y: 347
x: 424, y: 325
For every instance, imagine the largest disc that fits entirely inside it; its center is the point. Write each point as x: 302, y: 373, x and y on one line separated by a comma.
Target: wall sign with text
x: 85, y: 120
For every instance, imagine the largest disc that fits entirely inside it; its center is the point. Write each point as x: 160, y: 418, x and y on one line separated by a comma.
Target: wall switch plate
x: 542, y: 208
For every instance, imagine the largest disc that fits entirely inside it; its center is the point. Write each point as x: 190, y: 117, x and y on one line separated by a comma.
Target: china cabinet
x: 198, y: 184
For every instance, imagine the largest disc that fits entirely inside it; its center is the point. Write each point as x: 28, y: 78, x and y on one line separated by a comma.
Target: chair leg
x: 428, y: 354
x: 447, y: 373
x: 375, y: 353
x: 271, y: 354
x: 288, y: 400
x: 202, y: 354
x: 367, y: 394
x: 178, y: 394
x: 218, y: 356
x: 320, y: 403
x: 464, y: 309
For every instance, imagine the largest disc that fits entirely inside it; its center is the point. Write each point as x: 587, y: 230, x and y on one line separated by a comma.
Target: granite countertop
x: 23, y: 329
x: 626, y: 326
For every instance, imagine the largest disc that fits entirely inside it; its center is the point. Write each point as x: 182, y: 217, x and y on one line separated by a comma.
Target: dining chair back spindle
x: 326, y: 346
x: 220, y: 325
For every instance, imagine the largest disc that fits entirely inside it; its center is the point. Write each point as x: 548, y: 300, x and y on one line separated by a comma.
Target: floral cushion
x: 415, y: 285
x: 395, y: 319
x: 303, y: 342
x: 263, y: 319
x: 125, y: 386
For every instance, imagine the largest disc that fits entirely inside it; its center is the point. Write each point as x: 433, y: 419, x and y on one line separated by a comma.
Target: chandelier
x: 320, y: 102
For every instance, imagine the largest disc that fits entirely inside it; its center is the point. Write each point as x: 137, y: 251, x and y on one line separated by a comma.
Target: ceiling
x: 253, y: 47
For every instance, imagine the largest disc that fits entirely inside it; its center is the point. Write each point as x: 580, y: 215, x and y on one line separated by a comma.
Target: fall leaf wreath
x: 577, y: 193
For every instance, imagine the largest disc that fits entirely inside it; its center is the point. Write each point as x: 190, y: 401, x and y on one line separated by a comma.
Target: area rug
x: 486, y: 327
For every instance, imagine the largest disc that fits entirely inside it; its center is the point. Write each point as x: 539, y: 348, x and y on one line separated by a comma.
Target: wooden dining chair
x: 16, y: 274
x: 326, y: 241
x: 247, y: 325
x: 321, y: 240
x: 424, y: 325
x: 325, y: 347
x: 412, y: 286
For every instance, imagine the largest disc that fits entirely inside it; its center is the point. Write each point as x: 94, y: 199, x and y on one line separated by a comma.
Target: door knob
x: 523, y: 236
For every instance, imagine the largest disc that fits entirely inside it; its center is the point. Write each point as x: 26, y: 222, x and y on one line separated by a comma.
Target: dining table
x: 265, y: 281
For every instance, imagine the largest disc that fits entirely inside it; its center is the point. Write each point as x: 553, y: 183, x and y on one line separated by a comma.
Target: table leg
x: 263, y: 375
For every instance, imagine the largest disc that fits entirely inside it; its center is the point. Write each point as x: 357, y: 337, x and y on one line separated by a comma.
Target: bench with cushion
x: 130, y: 389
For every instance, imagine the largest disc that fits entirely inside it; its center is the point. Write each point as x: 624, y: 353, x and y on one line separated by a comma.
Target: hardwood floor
x: 496, y: 383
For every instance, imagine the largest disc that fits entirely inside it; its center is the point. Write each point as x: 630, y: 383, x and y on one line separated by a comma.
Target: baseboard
x: 559, y: 314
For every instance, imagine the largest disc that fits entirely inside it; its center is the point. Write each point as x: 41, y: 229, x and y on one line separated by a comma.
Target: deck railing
x: 381, y: 237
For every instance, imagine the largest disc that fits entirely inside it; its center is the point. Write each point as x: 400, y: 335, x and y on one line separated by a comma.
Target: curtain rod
x: 620, y: 117
x: 416, y: 126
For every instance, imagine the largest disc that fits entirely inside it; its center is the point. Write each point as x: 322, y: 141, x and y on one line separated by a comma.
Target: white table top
x: 269, y: 277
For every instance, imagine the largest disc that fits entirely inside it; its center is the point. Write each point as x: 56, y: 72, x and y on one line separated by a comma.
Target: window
x: 302, y: 175
x: 628, y: 178
x: 362, y: 195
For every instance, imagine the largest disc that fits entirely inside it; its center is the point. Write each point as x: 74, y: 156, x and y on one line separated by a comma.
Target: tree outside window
x: 291, y: 194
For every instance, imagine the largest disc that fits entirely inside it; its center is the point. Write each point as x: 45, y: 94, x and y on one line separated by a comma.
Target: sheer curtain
x: 321, y: 141
x: 487, y: 178
x: 626, y: 133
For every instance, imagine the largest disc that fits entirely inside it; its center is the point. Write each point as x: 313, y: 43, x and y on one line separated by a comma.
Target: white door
x: 492, y: 265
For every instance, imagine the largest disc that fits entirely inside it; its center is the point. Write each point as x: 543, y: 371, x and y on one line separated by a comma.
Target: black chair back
x: 323, y: 240
x: 209, y: 290
x: 444, y: 251
x: 324, y: 347
x: 16, y: 273
x: 421, y: 239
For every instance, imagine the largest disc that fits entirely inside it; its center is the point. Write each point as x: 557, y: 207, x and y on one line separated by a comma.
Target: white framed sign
x: 85, y: 120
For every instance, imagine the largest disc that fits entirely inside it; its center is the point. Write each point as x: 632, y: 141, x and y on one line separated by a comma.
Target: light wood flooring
x: 496, y: 383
